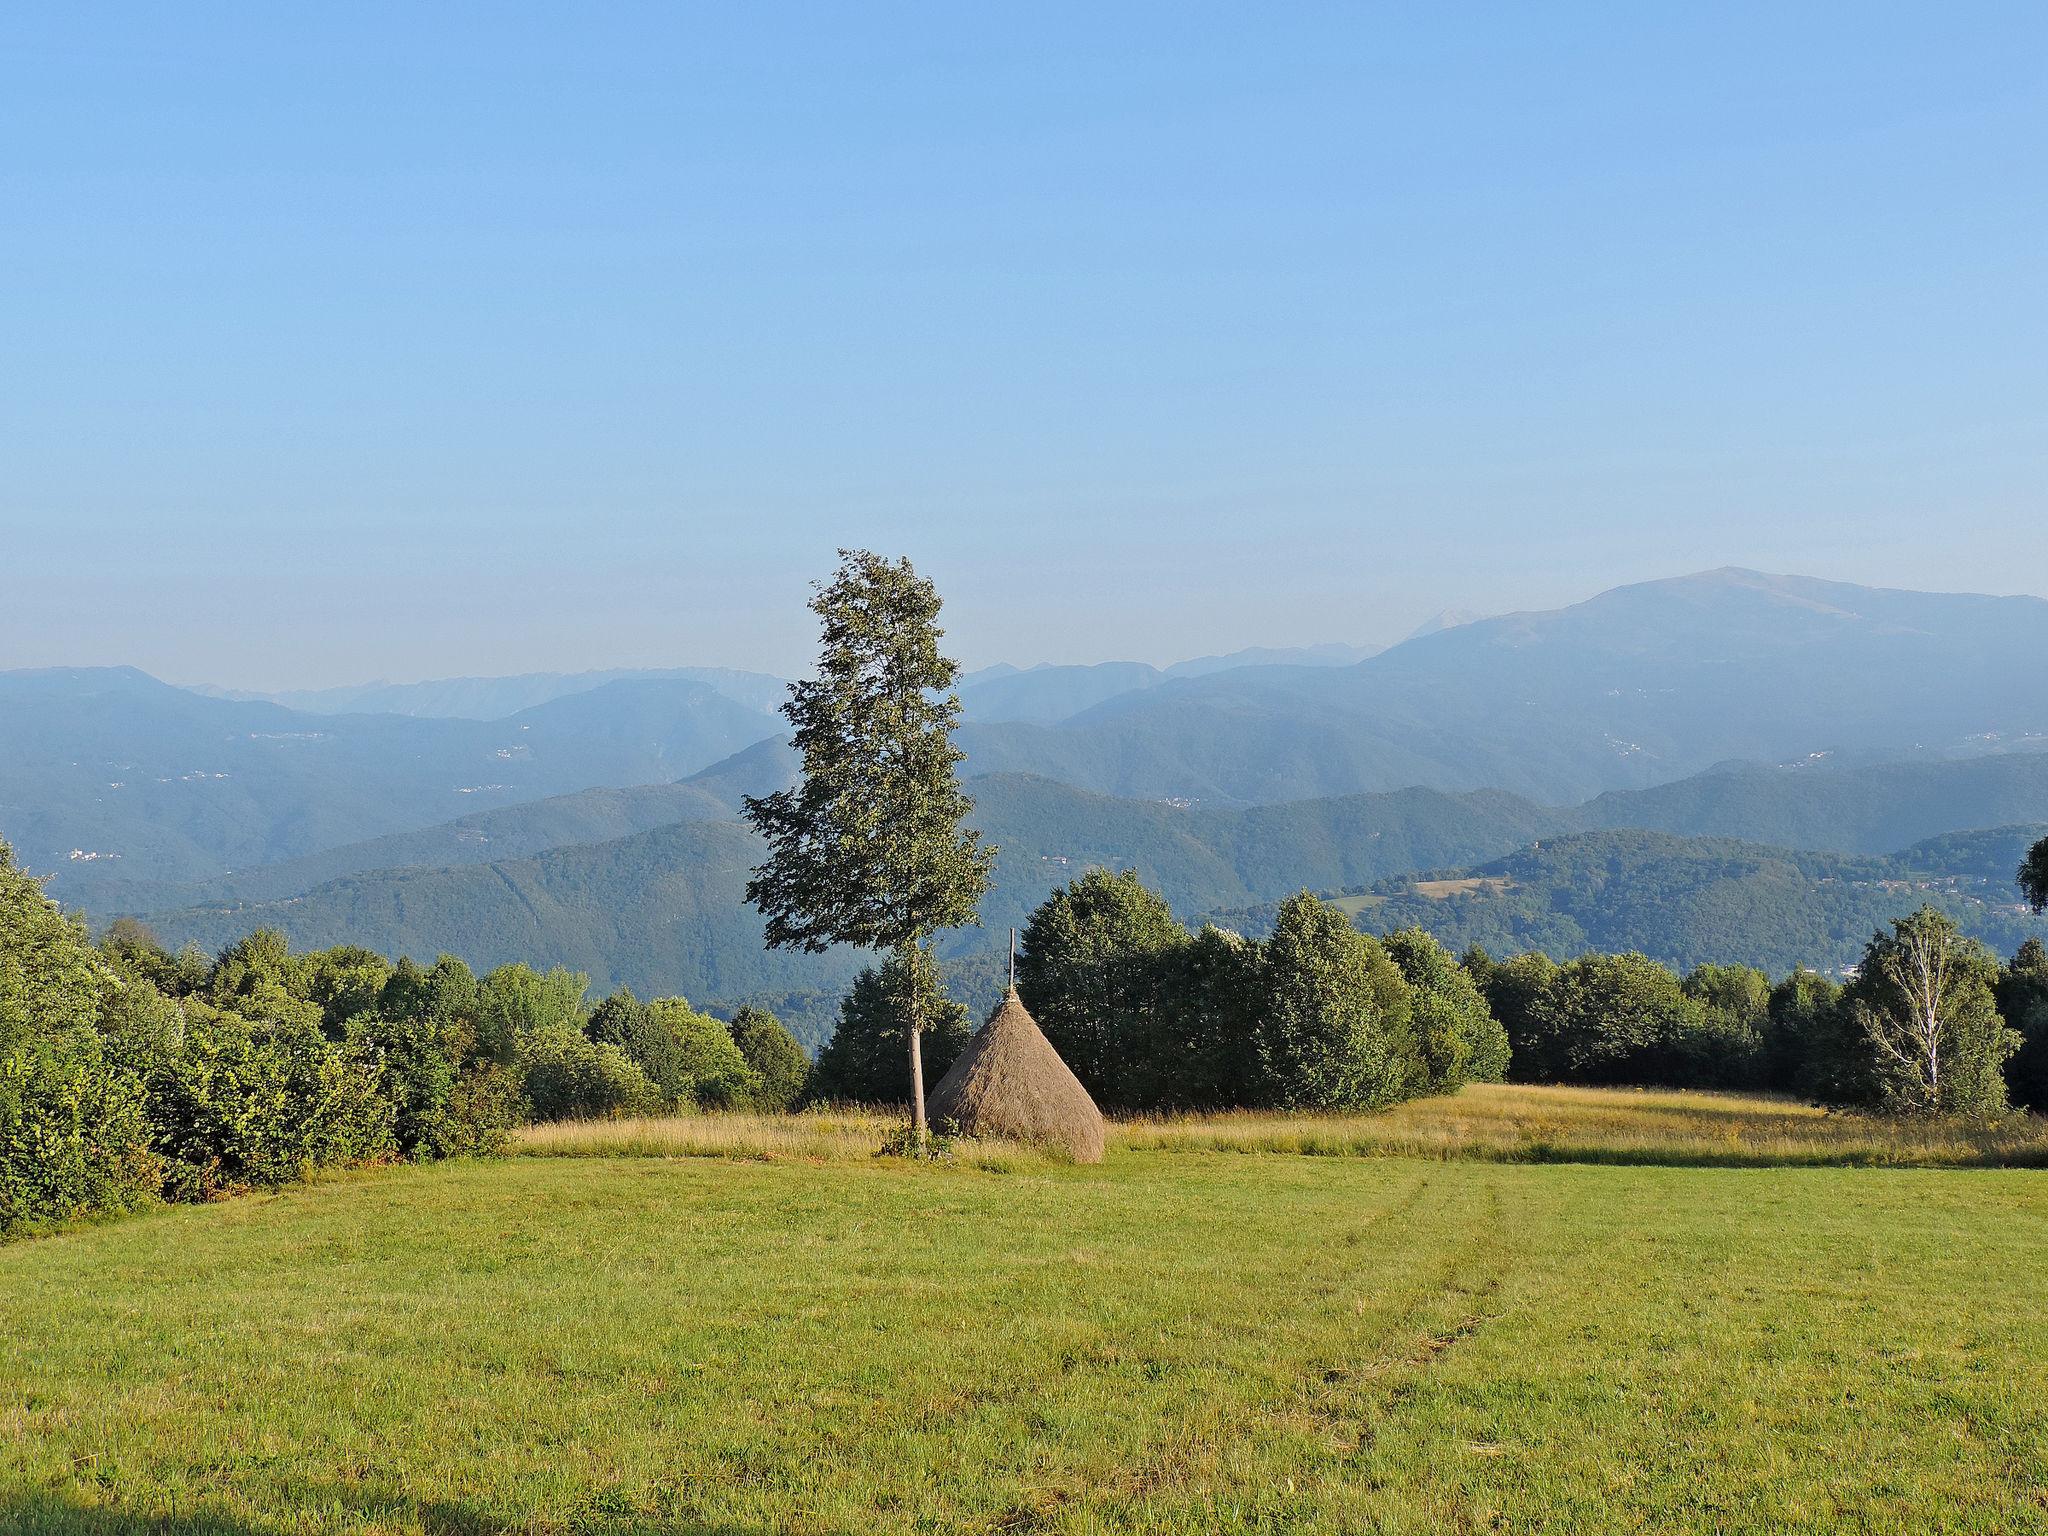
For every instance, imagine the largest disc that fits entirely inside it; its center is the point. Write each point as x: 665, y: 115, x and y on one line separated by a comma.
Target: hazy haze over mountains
x: 486, y: 813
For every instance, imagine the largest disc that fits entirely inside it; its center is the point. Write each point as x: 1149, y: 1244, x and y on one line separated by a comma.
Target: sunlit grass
x: 1166, y: 1343
x: 1486, y: 1122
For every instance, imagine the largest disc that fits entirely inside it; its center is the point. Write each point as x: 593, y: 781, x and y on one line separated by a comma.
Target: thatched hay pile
x: 1011, y: 1082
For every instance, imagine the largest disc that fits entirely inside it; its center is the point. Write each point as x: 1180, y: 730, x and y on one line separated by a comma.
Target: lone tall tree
x: 868, y: 850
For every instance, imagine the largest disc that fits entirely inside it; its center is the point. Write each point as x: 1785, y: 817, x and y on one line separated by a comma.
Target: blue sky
x: 353, y: 341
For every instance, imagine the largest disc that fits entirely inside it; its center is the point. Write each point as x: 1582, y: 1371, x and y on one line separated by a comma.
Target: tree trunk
x: 918, y: 1128
x: 917, y: 1125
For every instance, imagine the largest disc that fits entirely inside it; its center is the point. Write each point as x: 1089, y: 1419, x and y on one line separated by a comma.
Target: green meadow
x: 1208, y: 1332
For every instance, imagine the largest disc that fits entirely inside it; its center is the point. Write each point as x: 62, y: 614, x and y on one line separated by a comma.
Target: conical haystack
x: 1011, y: 1082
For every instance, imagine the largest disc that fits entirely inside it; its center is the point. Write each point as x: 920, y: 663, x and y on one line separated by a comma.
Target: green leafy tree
x: 1095, y: 970
x: 134, y: 948
x: 2033, y: 876
x: 2023, y: 1003
x: 1517, y: 993
x: 700, y: 1064
x: 1216, y: 991
x: 1459, y: 1038
x: 1805, y: 1048
x: 516, y: 1000
x: 863, y: 1061
x: 1618, y: 1019
x: 446, y: 990
x: 1924, y: 1002
x: 868, y: 849
x: 1727, y: 1051
x: 345, y: 983
x: 1335, y: 1034
x: 51, y: 977
x: 779, y: 1064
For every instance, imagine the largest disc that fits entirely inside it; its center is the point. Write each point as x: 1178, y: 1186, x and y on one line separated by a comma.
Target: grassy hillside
x: 618, y: 1347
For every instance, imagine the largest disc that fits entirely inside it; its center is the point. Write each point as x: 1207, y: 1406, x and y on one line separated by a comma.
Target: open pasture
x: 1183, y: 1339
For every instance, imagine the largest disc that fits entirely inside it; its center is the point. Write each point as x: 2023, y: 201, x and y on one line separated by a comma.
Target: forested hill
x: 1870, y: 809
x: 664, y: 911
x: 1686, y: 901
x: 615, y: 908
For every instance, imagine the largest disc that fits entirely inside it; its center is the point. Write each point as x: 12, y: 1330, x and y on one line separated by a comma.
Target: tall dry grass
x: 816, y: 1136
x: 1499, y: 1122
x: 1487, y: 1122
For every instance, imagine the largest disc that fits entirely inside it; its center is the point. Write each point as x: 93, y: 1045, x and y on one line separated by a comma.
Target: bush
x: 702, y: 1062
x: 236, y: 1104
x: 571, y: 1077
x: 1337, y: 1028
x: 515, y: 1001
x: 74, y: 1137
x: 1459, y: 1038
x: 780, y: 1067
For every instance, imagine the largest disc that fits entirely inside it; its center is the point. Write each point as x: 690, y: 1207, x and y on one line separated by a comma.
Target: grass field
x: 1182, y: 1339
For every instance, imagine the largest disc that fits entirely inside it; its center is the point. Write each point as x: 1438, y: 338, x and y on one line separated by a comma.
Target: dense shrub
x: 1337, y: 1028
x: 780, y: 1067
x: 1459, y: 1039
x: 74, y: 1136
x: 515, y: 1001
x: 237, y: 1104
x: 703, y: 1064
x: 572, y: 1077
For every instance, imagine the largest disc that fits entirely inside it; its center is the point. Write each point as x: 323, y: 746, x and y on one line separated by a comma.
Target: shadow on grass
x: 46, y: 1514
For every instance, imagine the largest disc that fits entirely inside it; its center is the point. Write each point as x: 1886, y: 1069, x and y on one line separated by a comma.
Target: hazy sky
x: 352, y: 341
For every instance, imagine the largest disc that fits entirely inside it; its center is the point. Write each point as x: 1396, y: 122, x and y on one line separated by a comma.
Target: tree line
x: 129, y: 1074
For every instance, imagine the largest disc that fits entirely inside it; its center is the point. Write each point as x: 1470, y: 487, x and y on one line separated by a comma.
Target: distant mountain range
x: 107, y: 773
x: 493, y: 698
x: 590, y: 818
x: 1638, y: 686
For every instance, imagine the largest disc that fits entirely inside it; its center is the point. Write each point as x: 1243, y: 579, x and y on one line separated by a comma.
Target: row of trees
x: 129, y: 1074
x: 1931, y: 1023
x: 1321, y: 1016
x: 1151, y: 1017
